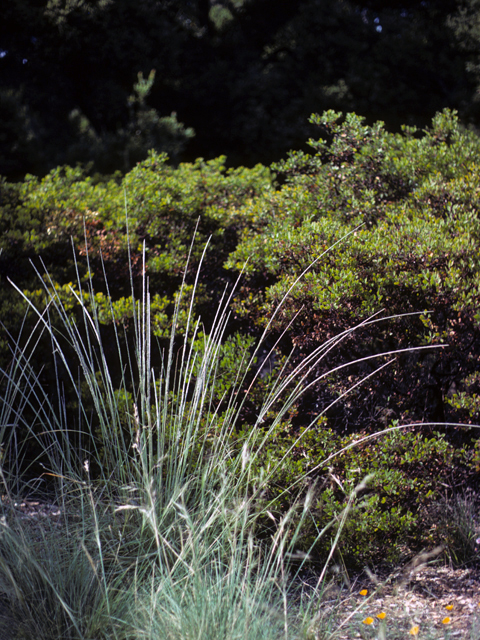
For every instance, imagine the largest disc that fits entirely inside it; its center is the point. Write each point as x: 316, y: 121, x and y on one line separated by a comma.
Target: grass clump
x: 457, y: 518
x: 167, y: 525
x: 159, y: 497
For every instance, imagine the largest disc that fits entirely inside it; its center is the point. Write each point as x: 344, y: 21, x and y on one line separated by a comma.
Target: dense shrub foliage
x: 167, y: 208
x: 375, y: 222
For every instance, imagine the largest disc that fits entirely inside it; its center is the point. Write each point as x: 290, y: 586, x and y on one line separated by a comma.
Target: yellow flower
x: 414, y: 630
x: 368, y: 620
x: 363, y: 592
x: 449, y: 607
x: 381, y: 615
x: 446, y: 620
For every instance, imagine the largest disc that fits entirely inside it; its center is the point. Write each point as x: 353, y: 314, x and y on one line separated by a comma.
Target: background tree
x: 244, y: 74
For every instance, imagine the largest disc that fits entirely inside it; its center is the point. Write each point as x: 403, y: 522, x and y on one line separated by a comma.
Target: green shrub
x: 388, y: 521
x: 40, y: 220
x: 387, y: 221
x: 369, y: 220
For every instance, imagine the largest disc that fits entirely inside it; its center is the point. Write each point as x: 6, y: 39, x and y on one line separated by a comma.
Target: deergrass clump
x: 160, y: 493
x: 58, y: 577
x: 457, y: 517
x: 156, y: 533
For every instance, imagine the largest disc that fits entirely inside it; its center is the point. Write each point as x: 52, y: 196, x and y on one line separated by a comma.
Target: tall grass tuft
x: 159, y: 503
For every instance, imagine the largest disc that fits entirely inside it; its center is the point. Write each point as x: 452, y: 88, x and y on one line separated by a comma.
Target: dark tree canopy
x: 243, y: 74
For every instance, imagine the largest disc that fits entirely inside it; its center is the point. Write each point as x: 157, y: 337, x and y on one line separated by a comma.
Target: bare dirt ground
x: 440, y: 601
